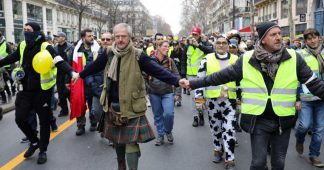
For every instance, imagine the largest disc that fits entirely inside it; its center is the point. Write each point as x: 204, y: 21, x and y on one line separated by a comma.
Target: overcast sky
x: 170, y: 10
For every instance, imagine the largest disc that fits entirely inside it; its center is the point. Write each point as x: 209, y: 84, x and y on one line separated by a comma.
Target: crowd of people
x: 241, y: 84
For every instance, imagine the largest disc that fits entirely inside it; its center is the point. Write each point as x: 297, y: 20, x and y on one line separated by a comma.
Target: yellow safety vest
x: 47, y: 80
x: 212, y: 66
x: 283, y: 94
x: 312, y: 62
x: 149, y: 50
x: 194, y: 56
x: 170, y: 51
x: 3, y: 52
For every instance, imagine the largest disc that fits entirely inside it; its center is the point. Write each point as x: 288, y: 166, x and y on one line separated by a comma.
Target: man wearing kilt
x: 123, y: 96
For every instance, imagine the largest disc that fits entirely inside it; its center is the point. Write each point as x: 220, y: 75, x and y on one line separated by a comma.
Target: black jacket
x: 235, y: 73
x: 31, y: 81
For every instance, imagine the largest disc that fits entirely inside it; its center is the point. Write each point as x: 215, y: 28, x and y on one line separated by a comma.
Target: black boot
x: 42, y: 158
x: 93, y: 127
x: 31, y: 150
x: 195, y: 122
x: 121, y: 164
x: 201, y: 119
x: 80, y: 131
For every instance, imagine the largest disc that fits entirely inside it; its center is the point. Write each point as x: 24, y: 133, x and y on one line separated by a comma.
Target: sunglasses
x: 105, y: 39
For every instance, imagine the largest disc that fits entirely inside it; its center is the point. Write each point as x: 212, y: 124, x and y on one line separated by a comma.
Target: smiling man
x: 311, y: 115
x: 269, y: 78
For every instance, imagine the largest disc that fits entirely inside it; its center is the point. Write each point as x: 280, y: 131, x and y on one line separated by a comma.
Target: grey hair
x: 123, y: 25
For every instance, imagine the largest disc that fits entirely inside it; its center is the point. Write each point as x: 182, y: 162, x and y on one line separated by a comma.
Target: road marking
x: 20, y: 158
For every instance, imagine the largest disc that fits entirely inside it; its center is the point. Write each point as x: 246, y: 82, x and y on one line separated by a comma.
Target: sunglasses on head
x: 105, y: 39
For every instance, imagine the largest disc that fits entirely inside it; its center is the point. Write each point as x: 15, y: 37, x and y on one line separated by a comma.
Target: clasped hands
x: 184, y: 83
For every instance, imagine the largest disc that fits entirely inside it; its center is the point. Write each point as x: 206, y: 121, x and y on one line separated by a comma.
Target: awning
x: 246, y: 29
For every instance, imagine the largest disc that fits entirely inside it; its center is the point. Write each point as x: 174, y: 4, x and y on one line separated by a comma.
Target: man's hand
x: 298, y: 105
x: 75, y: 77
x: 195, y: 43
x: 184, y: 83
x: 68, y: 86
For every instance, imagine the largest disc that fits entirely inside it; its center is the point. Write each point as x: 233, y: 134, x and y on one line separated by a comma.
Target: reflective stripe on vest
x: 47, y: 80
x: 283, y: 94
x: 170, y: 51
x: 3, y: 52
x: 194, y: 56
x: 212, y: 66
x: 312, y: 62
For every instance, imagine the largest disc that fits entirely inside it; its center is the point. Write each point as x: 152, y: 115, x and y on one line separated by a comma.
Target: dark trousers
x: 81, y: 121
x: 267, y: 131
x: 63, y: 93
x: 40, y: 102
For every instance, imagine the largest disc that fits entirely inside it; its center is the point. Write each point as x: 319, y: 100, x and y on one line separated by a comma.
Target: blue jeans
x: 311, y: 116
x: 163, y: 110
x: 267, y: 131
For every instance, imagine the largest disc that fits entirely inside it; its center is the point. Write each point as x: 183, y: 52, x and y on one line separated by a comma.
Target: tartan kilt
x: 137, y: 130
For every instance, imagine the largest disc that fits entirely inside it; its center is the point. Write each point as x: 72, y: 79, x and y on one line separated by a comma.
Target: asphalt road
x: 192, y: 148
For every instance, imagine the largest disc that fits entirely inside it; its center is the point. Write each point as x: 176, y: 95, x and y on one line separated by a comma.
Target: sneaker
x: 159, y: 141
x: 110, y: 143
x: 195, y: 122
x: 299, y: 148
x: 178, y: 103
x: 316, y: 162
x: 42, y: 158
x: 229, y: 165
x: 170, y: 137
x: 80, y: 131
x: 188, y: 92
x: 93, y: 127
x: 201, y: 119
x: 24, y: 140
x: 217, y: 156
x: 31, y: 150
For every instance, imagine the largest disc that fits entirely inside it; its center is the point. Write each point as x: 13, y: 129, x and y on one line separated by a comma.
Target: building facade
x: 305, y: 14
x: 58, y: 15
x: 225, y: 15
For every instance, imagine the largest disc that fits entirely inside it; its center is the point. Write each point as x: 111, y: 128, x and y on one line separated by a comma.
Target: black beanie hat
x: 263, y: 27
x: 34, y: 25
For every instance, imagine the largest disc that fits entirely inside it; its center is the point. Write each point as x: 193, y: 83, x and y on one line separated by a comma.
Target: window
x: 34, y: 14
x: 49, y: 16
x: 1, y: 5
x: 274, y: 14
x: 284, y: 9
x: 17, y: 9
x: 285, y: 31
x: 300, y: 28
x: 301, y: 7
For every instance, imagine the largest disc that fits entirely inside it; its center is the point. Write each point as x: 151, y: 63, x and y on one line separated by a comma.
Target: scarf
x: 268, y: 61
x: 317, y: 52
x: 118, y: 53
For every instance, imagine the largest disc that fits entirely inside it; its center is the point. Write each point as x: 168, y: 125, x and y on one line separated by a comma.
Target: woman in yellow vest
x: 220, y: 102
x: 269, y: 78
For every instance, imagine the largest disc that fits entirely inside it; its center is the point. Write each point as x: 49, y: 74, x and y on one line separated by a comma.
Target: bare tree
x: 81, y: 6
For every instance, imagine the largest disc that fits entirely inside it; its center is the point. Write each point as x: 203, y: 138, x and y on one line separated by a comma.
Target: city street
x: 192, y: 148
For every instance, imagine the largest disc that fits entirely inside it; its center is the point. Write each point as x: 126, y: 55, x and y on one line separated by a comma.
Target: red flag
x: 77, y: 98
